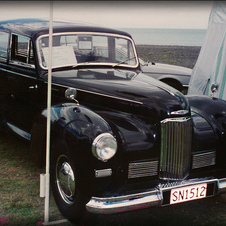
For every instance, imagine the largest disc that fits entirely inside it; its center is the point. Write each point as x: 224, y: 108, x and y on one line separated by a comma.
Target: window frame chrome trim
x: 88, y: 33
x: 8, y: 45
x: 18, y: 63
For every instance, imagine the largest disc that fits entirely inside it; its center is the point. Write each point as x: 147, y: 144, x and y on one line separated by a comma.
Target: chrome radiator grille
x: 175, y: 157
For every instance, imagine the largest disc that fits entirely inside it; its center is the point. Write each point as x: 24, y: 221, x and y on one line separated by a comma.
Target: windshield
x: 87, y: 49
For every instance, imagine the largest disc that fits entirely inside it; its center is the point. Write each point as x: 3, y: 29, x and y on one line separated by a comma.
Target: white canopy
x: 211, y: 64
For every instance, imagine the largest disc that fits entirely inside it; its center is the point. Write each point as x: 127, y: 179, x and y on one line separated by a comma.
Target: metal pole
x: 47, y: 184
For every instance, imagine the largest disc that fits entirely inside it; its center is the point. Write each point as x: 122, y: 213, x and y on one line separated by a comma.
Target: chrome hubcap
x: 65, y: 179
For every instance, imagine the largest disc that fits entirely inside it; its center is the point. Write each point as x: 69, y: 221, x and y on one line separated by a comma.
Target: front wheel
x: 65, y: 188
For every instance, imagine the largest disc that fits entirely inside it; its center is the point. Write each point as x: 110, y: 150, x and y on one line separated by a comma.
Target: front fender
x: 76, y: 126
x: 213, y: 110
x: 81, y: 127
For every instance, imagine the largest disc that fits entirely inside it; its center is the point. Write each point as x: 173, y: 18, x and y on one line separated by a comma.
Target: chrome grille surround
x: 175, y: 156
x: 142, y: 169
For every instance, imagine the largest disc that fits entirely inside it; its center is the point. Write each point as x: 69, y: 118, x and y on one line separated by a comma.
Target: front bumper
x: 152, y: 198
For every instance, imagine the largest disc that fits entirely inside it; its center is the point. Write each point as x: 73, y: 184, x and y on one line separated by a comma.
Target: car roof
x: 36, y: 27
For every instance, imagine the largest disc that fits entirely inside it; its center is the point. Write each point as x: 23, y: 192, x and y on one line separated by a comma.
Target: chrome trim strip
x: 125, y: 203
x: 22, y: 64
x: 103, y: 173
x: 179, y: 112
x: 152, y: 198
x: 182, y: 119
x: 19, y: 131
x: 16, y: 73
x: 2, y: 69
x: 221, y: 185
x: 100, y: 94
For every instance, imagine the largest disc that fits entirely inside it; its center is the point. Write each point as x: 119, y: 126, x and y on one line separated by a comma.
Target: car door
x: 23, y: 86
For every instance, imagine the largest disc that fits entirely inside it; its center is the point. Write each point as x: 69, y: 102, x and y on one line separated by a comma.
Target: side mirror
x: 71, y: 94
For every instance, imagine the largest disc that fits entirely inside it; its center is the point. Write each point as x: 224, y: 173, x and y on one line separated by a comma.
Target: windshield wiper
x: 122, y: 62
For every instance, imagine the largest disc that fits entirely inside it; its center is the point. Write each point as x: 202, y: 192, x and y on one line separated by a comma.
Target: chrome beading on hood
x: 180, y: 112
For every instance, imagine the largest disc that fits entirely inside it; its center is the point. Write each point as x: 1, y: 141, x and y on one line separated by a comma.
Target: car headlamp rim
x: 104, y: 146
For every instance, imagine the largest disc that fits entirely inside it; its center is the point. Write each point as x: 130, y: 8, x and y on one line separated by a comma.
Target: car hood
x: 165, y: 69
x: 122, y: 90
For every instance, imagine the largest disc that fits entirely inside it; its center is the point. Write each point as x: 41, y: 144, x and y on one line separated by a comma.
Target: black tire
x: 66, y: 189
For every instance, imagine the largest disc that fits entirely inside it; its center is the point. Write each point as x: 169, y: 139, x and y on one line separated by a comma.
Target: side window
x: 4, y: 39
x: 21, y: 49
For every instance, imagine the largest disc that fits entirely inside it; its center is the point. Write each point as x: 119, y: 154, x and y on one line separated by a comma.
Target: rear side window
x: 21, y: 50
x: 4, y: 39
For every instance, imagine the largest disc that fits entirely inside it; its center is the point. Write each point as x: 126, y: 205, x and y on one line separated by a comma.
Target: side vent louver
x: 204, y: 159
x: 143, y: 169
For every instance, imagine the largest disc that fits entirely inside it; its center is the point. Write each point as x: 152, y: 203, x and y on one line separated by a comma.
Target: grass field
x: 20, y: 203
x: 19, y: 185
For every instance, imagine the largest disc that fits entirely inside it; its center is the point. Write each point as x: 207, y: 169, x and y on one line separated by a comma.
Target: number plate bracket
x: 210, y: 191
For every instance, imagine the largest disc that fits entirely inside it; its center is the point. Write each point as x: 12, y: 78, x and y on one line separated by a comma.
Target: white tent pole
x: 47, y: 184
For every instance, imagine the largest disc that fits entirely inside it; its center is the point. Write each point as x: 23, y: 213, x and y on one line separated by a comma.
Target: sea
x: 159, y: 36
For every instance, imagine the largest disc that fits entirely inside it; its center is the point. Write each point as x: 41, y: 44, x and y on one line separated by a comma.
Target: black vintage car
x: 120, y: 140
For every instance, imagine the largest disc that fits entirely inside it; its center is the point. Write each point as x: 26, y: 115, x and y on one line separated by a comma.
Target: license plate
x: 188, y: 193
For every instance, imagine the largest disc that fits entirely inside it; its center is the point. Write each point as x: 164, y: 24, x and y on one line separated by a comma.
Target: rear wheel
x: 66, y: 189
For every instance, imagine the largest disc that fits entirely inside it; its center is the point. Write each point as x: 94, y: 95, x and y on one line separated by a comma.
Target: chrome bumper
x: 153, y: 198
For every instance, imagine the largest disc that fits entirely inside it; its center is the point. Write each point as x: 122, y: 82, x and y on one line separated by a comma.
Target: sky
x: 115, y: 14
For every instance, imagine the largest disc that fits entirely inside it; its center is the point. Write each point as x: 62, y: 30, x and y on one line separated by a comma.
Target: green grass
x: 168, y: 51
x: 20, y: 203
x: 172, y: 61
x: 165, y: 59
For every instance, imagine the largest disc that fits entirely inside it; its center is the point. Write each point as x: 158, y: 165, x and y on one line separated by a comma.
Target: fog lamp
x: 104, y: 146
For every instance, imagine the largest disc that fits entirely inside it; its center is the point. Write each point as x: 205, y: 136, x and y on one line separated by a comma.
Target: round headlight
x: 104, y: 146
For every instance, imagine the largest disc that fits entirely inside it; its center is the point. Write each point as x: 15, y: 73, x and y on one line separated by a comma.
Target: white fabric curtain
x: 212, y: 53
x: 218, y: 74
